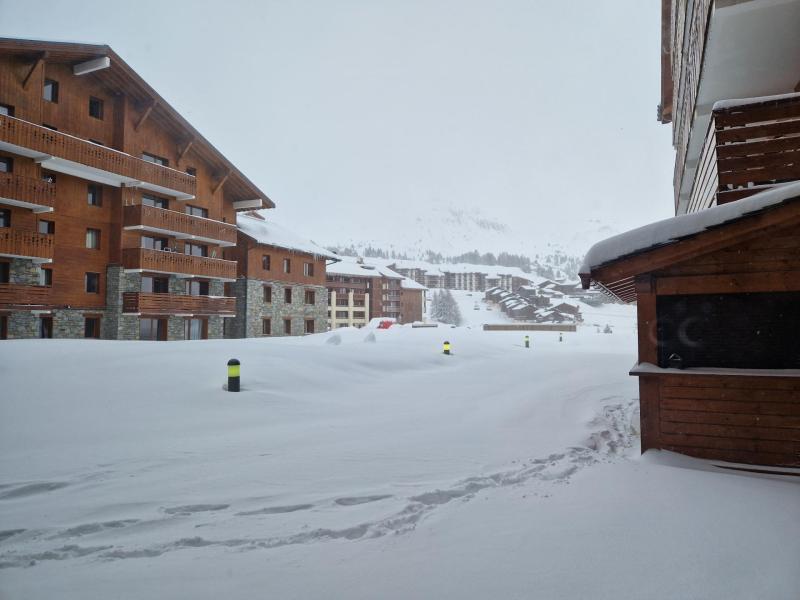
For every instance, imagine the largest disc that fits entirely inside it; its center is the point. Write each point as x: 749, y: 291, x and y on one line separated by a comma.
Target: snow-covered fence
x: 529, y: 327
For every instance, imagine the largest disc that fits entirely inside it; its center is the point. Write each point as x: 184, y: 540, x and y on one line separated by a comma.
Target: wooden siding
x: 27, y: 244
x: 748, y: 149
x: 249, y: 254
x: 739, y: 418
x: 411, y: 305
x: 159, y: 261
x: 27, y: 189
x: 169, y: 304
x: 177, y: 222
x: 688, y: 38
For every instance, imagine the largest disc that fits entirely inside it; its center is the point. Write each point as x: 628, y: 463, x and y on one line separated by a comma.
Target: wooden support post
x: 145, y: 114
x: 39, y: 61
x: 221, y: 182
x: 186, y: 148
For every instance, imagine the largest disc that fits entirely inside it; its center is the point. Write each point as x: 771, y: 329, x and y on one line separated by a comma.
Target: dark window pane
x: 159, y: 160
x: 93, y: 283
x: 6, y: 109
x: 95, y: 195
x: 5, y: 272
x: 155, y: 201
x: 50, y: 92
x: 5, y: 217
x: 6, y: 164
x: 47, y: 226
x: 95, y: 108
x: 91, y: 327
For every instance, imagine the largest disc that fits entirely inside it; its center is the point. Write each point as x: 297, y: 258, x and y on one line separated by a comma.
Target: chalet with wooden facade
x: 281, y: 281
x: 717, y: 286
x: 115, y: 212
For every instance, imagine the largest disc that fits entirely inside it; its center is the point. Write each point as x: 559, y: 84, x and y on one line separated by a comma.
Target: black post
x: 527, y: 342
x: 233, y: 375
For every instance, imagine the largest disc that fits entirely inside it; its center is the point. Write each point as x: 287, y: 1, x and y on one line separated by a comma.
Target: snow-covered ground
x: 366, y: 464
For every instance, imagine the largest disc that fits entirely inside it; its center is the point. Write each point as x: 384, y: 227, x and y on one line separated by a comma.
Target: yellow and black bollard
x: 447, y: 348
x: 233, y: 375
x: 527, y: 341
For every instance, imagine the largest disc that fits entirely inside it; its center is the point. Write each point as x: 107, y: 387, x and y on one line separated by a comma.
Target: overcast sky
x: 349, y: 112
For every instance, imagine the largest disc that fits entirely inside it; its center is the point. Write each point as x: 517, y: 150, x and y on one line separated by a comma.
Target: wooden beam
x: 782, y: 281
x: 221, y: 182
x: 186, y: 148
x: 145, y: 114
x: 39, y: 61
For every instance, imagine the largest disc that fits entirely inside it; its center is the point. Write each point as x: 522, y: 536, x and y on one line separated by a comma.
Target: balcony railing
x: 170, y: 304
x: 178, y: 224
x: 13, y: 294
x: 749, y: 147
x: 67, y: 147
x: 29, y: 192
x: 26, y: 244
x: 180, y: 264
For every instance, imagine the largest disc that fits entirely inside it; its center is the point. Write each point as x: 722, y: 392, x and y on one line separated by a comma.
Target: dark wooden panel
x: 789, y: 409
x: 715, y: 418
x: 731, y: 431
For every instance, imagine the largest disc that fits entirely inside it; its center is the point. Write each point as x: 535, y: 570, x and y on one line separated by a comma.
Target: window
x: 195, y: 249
x: 309, y: 325
x: 5, y: 272
x: 94, y: 195
x: 154, y: 243
x: 95, y: 107
x: 45, y: 276
x: 265, y: 263
x: 195, y: 329
x: 6, y: 109
x: 311, y: 297
x: 155, y: 285
x: 267, y: 294
x: 3, y: 327
x: 287, y: 295
x: 45, y: 327
x: 358, y: 314
x: 48, y: 177
x: 48, y: 227
x: 308, y: 269
x: 341, y: 314
x: 158, y: 160
x: 735, y: 331
x: 50, y: 92
x: 287, y: 265
x: 191, y: 171
x: 196, y: 211
x: 266, y: 326
x: 155, y: 201
x: 287, y: 326
x: 6, y: 164
x: 93, y: 239
x: 152, y: 329
x: 92, y: 282
x: 91, y: 327
x: 197, y: 288
x: 5, y: 217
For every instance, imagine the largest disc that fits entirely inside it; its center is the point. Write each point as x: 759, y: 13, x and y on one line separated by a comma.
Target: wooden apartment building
x: 281, y: 284
x: 115, y: 212
x: 717, y: 287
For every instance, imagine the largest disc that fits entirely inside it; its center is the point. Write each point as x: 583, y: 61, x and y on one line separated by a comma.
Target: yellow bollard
x: 527, y: 342
x: 447, y: 348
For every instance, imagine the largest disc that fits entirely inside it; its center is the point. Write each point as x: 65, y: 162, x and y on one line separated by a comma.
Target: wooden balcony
x: 158, y: 261
x: 27, y: 192
x: 26, y: 244
x: 65, y: 153
x: 179, y: 225
x: 176, y: 304
x: 17, y: 295
x: 748, y: 148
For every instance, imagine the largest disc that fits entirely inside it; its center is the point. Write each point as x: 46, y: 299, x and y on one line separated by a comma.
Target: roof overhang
x: 617, y: 277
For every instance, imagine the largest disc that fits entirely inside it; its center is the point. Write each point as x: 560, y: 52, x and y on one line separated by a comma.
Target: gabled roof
x: 613, y: 263
x: 270, y: 233
x: 410, y: 284
x: 119, y: 76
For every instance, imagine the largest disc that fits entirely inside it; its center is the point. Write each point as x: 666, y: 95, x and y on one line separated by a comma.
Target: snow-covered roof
x: 676, y: 228
x: 410, y: 284
x: 723, y: 104
x: 353, y: 268
x: 270, y: 233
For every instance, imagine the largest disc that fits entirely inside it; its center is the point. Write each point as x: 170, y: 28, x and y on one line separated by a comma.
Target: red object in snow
x: 385, y: 324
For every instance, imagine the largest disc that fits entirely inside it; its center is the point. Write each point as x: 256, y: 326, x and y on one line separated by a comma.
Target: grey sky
x: 349, y: 112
